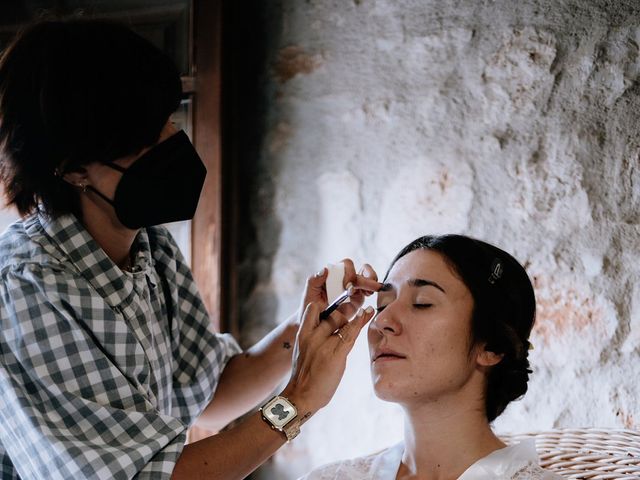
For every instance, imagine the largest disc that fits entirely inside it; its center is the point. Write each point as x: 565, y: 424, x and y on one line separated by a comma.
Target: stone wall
x: 512, y: 121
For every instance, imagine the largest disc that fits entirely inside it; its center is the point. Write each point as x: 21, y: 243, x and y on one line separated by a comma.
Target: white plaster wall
x: 515, y: 122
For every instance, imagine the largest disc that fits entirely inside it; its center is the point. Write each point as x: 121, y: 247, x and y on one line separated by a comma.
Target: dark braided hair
x: 504, y: 309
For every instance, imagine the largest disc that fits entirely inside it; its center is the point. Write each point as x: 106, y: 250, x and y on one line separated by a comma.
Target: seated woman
x: 450, y: 345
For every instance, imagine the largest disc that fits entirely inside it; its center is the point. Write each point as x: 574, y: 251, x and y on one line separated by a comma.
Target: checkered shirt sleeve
x: 76, y: 399
x: 66, y: 411
x: 199, y: 353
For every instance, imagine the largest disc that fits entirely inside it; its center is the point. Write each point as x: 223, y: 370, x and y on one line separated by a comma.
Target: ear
x: 77, y: 178
x: 487, y: 358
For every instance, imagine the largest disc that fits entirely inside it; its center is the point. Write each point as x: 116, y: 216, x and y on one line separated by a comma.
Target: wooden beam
x: 206, y: 225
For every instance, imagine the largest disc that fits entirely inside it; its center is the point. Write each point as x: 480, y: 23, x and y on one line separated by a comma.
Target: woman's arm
x: 250, y: 377
x: 232, y: 454
x: 320, y: 359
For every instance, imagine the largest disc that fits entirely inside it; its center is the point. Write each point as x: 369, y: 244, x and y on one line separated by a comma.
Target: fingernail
x: 320, y: 273
x: 359, y: 313
x: 369, y: 310
x: 350, y: 289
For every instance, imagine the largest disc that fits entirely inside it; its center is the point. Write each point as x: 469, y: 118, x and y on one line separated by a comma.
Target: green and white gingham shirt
x: 101, y: 370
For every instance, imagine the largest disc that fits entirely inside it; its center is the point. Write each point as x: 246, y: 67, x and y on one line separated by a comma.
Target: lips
x: 387, y: 354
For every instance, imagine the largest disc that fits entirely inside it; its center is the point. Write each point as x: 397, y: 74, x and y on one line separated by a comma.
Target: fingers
x: 349, y: 272
x: 312, y: 326
x: 367, y: 271
x: 310, y: 319
x: 315, y: 290
x: 366, y: 279
x: 350, y: 308
x: 349, y: 333
x: 367, y: 285
x: 335, y: 321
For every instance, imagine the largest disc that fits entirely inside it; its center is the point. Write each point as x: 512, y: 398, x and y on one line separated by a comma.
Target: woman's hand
x: 322, y: 346
x: 365, y: 283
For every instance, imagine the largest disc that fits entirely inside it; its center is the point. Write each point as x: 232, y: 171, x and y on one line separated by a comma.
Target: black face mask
x: 161, y: 186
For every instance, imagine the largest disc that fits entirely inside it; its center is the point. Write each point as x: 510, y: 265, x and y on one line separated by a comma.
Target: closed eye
x: 380, y: 308
x: 422, y: 305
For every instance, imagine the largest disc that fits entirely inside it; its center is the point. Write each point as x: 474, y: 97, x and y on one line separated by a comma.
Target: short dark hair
x: 73, y: 92
x: 504, y: 309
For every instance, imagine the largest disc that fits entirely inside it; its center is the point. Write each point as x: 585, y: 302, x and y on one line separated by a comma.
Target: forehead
x: 428, y: 265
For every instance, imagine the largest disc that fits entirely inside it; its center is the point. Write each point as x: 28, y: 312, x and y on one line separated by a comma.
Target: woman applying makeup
x: 450, y: 345
x: 107, y: 355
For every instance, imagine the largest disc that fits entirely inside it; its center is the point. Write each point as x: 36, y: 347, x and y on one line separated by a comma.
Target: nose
x: 386, y: 322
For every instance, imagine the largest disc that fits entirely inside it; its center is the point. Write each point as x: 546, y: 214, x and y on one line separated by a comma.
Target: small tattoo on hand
x: 286, y: 345
x: 305, y: 417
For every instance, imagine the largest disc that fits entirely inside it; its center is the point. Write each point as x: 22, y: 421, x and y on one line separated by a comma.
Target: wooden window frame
x: 213, y: 229
x: 207, y: 233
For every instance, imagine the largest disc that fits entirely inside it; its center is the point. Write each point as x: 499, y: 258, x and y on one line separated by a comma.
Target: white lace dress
x: 515, y: 462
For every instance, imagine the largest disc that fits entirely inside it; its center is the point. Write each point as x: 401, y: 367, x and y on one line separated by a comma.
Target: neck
x: 443, y: 438
x: 102, y: 224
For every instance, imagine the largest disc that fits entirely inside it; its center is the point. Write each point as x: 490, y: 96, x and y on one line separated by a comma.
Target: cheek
x: 439, y: 347
x: 373, y: 337
x: 105, y: 179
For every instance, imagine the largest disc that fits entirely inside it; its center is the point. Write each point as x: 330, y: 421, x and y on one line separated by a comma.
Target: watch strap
x: 292, y: 429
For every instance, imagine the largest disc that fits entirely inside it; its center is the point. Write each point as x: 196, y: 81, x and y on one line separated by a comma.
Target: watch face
x: 279, y: 412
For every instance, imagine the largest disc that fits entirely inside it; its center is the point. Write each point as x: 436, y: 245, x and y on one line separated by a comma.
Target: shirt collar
x: 65, y: 238
x: 495, y: 465
x: 386, y: 464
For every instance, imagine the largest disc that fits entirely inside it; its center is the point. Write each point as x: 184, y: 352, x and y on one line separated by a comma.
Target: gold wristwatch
x: 281, y: 415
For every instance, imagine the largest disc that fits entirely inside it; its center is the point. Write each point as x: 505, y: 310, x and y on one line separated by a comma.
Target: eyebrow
x: 414, y: 282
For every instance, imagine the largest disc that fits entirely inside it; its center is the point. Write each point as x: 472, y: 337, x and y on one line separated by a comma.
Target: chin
x: 387, y: 396
x: 389, y: 390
